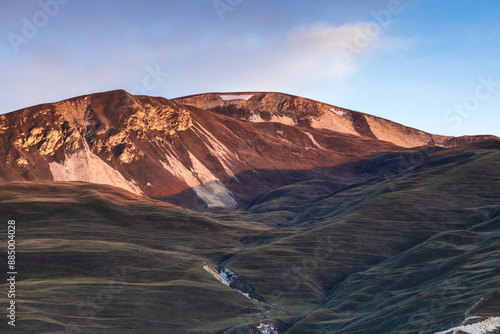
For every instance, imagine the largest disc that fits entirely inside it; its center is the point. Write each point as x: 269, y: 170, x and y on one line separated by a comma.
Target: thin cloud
x: 305, y: 55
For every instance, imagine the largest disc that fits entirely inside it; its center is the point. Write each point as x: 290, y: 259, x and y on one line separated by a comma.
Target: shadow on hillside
x: 249, y: 186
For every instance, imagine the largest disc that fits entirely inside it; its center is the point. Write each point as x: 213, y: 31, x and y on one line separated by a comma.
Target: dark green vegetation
x: 412, y: 244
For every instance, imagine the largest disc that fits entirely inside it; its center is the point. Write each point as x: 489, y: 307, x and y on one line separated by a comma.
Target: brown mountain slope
x: 295, y: 110
x: 201, y: 151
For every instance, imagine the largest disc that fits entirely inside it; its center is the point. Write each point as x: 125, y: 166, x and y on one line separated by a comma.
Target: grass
x: 381, y: 255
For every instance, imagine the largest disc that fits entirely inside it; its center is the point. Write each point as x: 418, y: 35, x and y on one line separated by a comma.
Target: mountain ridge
x: 162, y: 148
x: 209, y: 101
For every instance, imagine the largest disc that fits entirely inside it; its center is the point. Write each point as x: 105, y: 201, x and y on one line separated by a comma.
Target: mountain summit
x: 218, y: 150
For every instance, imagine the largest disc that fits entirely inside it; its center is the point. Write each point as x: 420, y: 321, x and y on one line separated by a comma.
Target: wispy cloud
x: 304, y: 55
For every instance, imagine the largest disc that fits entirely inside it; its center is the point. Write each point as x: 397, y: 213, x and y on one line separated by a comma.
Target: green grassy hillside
x: 411, y: 245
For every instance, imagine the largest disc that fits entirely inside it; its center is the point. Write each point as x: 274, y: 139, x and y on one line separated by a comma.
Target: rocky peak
x: 256, y: 104
x: 303, y: 112
x: 103, y: 121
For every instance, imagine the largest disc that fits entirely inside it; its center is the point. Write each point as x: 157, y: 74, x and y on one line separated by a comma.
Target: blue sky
x: 433, y: 65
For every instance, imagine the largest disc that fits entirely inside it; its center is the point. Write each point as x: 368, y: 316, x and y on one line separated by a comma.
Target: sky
x: 432, y: 65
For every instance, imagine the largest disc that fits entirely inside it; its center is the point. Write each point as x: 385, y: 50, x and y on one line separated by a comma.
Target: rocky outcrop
x: 229, y: 278
x: 203, y: 151
x: 295, y: 110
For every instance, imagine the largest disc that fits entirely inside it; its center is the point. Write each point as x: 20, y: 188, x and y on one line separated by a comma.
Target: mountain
x: 317, y: 230
x: 297, y: 111
x: 203, y: 151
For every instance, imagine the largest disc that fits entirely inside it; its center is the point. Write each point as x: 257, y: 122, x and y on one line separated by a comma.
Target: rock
x: 204, y: 151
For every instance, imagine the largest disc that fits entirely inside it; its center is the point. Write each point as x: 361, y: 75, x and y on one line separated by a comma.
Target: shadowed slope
x: 385, y: 254
x: 447, y: 205
x: 95, y: 259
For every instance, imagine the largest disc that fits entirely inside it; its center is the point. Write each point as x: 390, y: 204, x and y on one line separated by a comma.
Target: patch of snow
x: 228, y: 276
x: 254, y: 117
x: 225, y: 276
x: 235, y: 97
x: 486, y: 326
x: 149, y: 184
x: 85, y: 166
x: 267, y: 328
x: 338, y: 112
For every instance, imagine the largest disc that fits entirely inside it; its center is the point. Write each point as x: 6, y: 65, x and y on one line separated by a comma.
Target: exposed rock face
x: 86, y: 138
x: 294, y: 110
x: 203, y: 151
